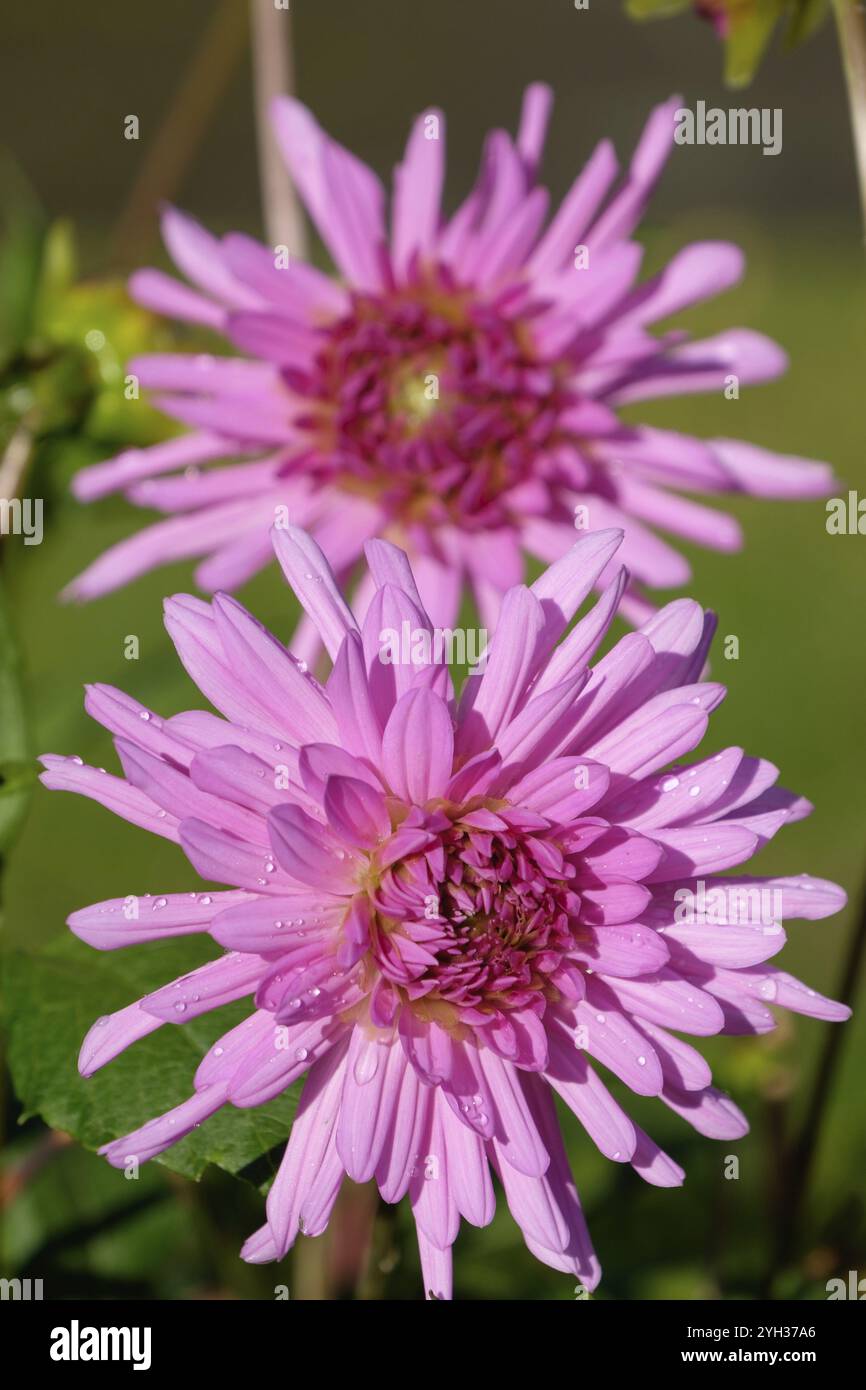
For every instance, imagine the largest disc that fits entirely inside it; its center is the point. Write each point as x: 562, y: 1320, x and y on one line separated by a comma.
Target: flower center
x: 480, y: 918
x: 432, y: 402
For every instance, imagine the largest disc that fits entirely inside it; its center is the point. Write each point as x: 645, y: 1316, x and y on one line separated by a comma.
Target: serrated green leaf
x: 52, y: 998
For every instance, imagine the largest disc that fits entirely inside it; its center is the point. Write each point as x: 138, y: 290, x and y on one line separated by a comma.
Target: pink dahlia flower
x: 457, y: 390
x: 447, y: 912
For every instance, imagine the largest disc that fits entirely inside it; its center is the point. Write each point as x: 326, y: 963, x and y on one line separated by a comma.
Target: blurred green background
x: 794, y: 599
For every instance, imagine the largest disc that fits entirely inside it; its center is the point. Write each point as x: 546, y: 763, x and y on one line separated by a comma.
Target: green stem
x: 851, y: 28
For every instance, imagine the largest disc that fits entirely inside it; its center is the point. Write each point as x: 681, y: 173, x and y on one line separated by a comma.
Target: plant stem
x: 273, y: 76
x: 851, y: 28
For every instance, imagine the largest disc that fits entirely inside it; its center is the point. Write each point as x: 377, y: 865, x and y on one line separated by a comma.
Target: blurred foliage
x: 62, y: 350
x: 16, y: 775
x: 745, y: 27
x: 63, y: 345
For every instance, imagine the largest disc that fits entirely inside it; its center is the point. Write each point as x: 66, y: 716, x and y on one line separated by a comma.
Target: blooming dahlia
x: 444, y: 912
x: 457, y: 390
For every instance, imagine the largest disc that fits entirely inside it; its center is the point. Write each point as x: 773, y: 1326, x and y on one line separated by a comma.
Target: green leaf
x: 57, y: 270
x: 807, y: 16
x: 52, y: 998
x: 748, y: 39
x: 22, y: 225
x: 13, y: 733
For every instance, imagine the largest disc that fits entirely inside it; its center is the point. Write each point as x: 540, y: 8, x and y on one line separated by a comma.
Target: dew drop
x: 670, y: 784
